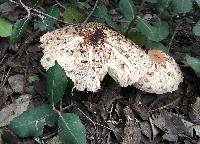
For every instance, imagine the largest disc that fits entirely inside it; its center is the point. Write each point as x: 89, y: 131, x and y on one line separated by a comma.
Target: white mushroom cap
x: 88, y: 54
x: 164, y: 75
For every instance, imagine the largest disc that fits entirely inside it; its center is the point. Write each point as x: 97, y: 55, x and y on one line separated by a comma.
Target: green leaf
x: 128, y: 9
x: 83, y: 5
x: 163, y: 4
x: 157, y: 32
x: 48, y: 22
x: 71, y: 15
x: 198, y: 2
x: 18, y: 30
x: 5, y: 28
x: 181, y: 6
x: 34, y: 3
x: 71, y: 130
x: 194, y: 63
x: 156, y: 45
x: 32, y: 121
x: 162, y: 30
x: 101, y: 15
x: 56, y: 83
x: 196, y: 29
x: 32, y: 78
x: 152, y: 1
x: 137, y: 37
x: 73, y: 2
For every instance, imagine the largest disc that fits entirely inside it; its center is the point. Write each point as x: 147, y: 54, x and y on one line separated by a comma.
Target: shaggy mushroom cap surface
x: 88, y: 54
x: 164, y: 75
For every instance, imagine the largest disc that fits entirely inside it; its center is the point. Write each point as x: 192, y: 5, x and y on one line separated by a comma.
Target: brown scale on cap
x: 156, y: 55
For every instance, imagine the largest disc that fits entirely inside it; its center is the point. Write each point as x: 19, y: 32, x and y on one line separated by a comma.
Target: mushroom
x: 164, y: 75
x: 88, y: 54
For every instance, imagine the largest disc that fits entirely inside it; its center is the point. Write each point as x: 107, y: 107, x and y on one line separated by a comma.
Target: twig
x: 40, y: 12
x: 85, y: 21
x: 26, y: 43
x: 60, y: 4
x: 94, y: 123
x: 175, y: 31
x: 4, y: 78
x: 28, y: 9
x: 165, y: 106
x: 67, y: 107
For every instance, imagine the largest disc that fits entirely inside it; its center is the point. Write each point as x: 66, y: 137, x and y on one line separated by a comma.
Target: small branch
x: 94, y: 123
x: 60, y: 4
x: 28, y: 9
x: 39, y: 12
x: 175, y: 31
x: 86, y: 20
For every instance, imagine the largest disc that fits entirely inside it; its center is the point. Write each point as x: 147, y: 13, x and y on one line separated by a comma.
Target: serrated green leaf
x: 157, y: 32
x: 71, y: 15
x: 194, y: 63
x: 5, y: 27
x: 196, y: 29
x: 71, y: 130
x: 48, y: 22
x: 83, y: 5
x: 198, y: 2
x: 18, y: 29
x: 137, y: 37
x: 32, y: 121
x: 181, y: 6
x: 156, y: 45
x: 56, y: 83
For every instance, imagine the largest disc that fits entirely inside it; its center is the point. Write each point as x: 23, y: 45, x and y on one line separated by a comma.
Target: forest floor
x: 113, y: 114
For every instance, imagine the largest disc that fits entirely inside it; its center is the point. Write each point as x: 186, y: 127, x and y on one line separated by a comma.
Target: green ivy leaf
x: 48, y: 22
x: 18, y: 30
x: 157, y: 32
x: 194, y: 63
x: 196, y: 29
x: 156, y: 45
x: 32, y: 121
x: 181, y: 6
x: 56, y: 83
x: 71, y: 15
x: 71, y: 130
x: 5, y: 28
